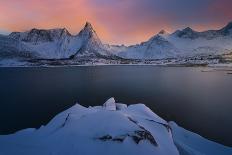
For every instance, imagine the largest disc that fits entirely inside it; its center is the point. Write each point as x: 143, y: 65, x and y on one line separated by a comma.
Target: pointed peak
x: 34, y: 30
x: 187, y: 29
x: 65, y: 31
x: 88, y: 27
x: 88, y: 24
x: 87, y: 30
x: 162, y: 32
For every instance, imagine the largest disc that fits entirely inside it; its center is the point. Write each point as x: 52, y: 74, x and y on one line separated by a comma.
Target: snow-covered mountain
x: 181, y: 43
x: 11, y: 48
x: 114, y: 129
x: 91, y: 44
x: 60, y: 44
x: 193, y: 43
x: 155, y: 48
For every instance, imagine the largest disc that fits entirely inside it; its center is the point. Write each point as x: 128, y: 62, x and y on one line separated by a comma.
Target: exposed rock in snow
x: 53, y: 43
x: 91, y: 46
x: 181, y: 43
x: 163, y: 32
x: 98, y: 130
x: 155, y: 48
x: 59, y: 43
x: 35, y: 36
x: 12, y: 48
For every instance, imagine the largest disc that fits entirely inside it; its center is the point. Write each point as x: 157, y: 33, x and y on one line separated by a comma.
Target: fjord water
x: 198, y: 101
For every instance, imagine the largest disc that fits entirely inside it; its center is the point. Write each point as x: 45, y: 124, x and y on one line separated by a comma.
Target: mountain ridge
x: 59, y: 43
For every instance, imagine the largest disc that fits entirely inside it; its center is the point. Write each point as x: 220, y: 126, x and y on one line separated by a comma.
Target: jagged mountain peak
x: 88, y: 31
x: 188, y: 29
x: 186, y: 33
x: 88, y: 25
x: 163, y: 32
x: 91, y: 44
x: 157, y: 37
x: 40, y: 35
x: 56, y: 30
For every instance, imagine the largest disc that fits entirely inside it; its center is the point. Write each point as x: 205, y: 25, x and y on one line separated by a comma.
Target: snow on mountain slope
x: 91, y: 44
x: 155, y: 48
x: 12, y: 48
x: 112, y: 128
x: 59, y: 43
x: 210, y: 34
x: 54, y: 43
x: 192, y: 43
x: 190, y: 143
x: 182, y: 43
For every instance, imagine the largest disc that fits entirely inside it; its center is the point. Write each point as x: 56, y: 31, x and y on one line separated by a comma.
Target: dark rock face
x: 144, y: 135
x: 227, y: 30
x: 12, y: 48
x: 136, y: 136
x: 87, y: 31
x: 210, y: 34
x: 187, y: 33
x: 163, y: 32
x: 40, y: 35
x: 36, y: 35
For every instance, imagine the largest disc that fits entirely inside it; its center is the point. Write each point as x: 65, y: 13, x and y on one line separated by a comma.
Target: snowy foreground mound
x: 111, y: 129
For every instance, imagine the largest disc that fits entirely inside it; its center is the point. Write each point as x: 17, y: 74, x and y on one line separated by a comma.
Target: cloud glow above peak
x: 115, y: 21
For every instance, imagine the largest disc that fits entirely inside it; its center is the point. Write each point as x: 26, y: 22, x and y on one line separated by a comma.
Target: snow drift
x: 113, y: 129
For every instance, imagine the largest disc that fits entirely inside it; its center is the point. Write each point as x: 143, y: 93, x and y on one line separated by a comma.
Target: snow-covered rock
x: 98, y: 130
x: 120, y: 106
x: 110, y: 104
x: 190, y: 143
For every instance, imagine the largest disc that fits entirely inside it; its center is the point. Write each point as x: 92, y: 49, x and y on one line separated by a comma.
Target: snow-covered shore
x: 114, y: 129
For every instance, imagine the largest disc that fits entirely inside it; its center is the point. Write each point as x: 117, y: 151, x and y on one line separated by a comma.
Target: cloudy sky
x: 116, y: 21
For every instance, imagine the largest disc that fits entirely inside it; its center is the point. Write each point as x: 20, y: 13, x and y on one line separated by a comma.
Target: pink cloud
x: 116, y: 21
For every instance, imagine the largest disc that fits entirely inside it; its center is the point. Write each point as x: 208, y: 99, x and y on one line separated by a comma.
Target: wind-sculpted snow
x: 113, y: 129
x: 190, y: 143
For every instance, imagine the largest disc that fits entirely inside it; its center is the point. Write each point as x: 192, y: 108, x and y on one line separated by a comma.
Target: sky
x: 115, y: 21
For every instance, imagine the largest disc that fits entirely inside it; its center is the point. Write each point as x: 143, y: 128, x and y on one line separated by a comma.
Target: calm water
x: 198, y: 101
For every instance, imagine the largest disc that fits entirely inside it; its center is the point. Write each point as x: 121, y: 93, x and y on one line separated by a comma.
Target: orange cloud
x: 113, y: 26
x: 116, y: 21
